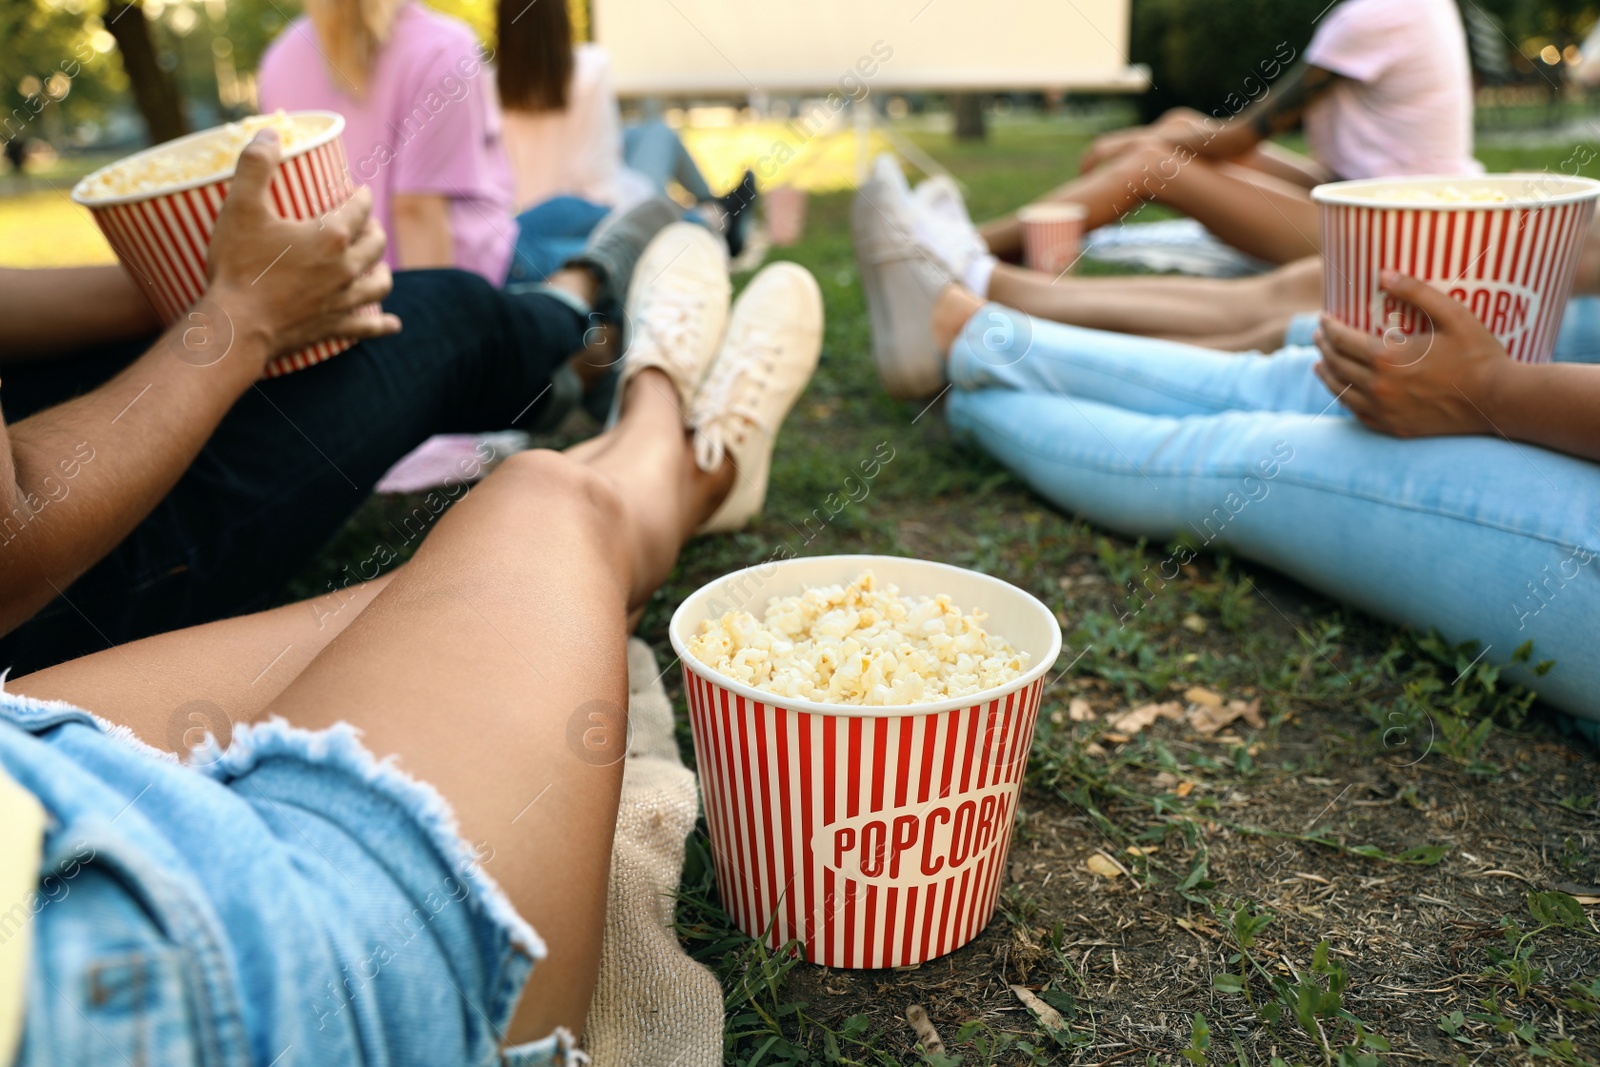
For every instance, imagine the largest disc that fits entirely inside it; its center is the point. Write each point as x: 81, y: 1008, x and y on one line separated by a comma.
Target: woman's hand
x: 1432, y: 383
x: 1109, y: 146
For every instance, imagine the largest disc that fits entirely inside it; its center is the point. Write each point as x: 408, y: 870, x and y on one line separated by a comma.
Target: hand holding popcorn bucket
x: 1505, y: 245
x: 875, y: 836
x: 158, y: 207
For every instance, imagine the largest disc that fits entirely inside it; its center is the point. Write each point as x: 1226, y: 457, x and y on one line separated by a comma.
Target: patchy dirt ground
x: 1399, y: 803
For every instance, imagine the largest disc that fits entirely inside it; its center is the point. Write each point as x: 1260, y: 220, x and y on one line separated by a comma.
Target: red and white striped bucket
x: 1052, y: 235
x: 1512, y: 261
x: 162, y: 237
x: 876, y: 837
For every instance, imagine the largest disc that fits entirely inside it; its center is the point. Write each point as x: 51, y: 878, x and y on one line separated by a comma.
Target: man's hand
x: 291, y: 282
x: 1433, y: 383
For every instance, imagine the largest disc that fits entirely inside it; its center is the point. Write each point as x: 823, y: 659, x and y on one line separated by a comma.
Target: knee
x: 459, y: 291
x: 564, y: 489
x: 1148, y: 167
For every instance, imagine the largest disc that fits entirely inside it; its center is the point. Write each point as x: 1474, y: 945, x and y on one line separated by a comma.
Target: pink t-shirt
x: 429, y: 123
x: 1406, y: 104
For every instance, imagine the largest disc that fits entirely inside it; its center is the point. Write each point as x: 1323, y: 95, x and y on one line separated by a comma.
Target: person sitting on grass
x: 1260, y: 312
x: 151, y: 483
x: 407, y: 791
x: 1435, y: 482
x: 422, y: 125
x: 571, y: 156
x: 1384, y: 89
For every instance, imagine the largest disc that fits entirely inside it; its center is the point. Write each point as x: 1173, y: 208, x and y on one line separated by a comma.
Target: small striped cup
x: 162, y: 236
x: 1052, y: 235
x: 1511, y: 260
x: 873, y: 836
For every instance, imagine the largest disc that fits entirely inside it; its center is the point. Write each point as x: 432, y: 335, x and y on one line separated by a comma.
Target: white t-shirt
x: 1406, y: 104
x: 577, y: 151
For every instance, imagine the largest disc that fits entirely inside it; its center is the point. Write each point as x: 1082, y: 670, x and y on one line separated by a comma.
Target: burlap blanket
x: 654, y: 1006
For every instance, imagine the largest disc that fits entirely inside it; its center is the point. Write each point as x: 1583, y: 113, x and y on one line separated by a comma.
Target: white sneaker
x: 942, y: 226
x: 677, y: 309
x: 893, y: 192
x: 773, y: 344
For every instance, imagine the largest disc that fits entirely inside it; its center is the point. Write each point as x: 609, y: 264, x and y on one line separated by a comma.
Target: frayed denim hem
x: 557, y: 1050
x: 339, y: 749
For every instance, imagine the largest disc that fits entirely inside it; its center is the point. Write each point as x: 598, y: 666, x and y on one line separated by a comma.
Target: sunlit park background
x: 1402, y: 802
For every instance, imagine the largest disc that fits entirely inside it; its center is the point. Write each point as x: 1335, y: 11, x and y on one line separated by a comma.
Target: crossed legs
x: 1259, y: 213
x: 1233, y: 314
x: 469, y: 663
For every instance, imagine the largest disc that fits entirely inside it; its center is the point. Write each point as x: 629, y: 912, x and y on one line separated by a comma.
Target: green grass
x: 1267, y: 915
x: 1413, y: 726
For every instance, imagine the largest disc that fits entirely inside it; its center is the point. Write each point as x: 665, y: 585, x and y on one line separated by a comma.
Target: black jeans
x: 294, y: 458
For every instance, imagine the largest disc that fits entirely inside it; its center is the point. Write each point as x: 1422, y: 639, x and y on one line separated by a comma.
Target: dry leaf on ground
x: 1201, y: 695
x: 1208, y: 719
x: 1131, y: 722
x: 1048, y: 1017
x: 1103, y: 866
x: 1080, y: 711
x: 917, y: 1016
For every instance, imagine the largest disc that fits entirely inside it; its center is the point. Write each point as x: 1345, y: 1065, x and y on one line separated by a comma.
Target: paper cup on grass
x: 875, y: 836
x: 1052, y: 235
x: 1505, y: 245
x: 158, y: 207
x: 785, y: 209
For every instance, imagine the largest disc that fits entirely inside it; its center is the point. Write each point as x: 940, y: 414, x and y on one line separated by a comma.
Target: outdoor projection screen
x: 744, y: 47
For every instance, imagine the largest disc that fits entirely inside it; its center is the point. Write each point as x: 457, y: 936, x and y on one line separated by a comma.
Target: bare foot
x: 954, y: 307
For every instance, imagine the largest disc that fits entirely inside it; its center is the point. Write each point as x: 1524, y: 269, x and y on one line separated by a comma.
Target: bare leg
x: 237, y: 666
x: 1267, y: 218
x: 1285, y: 165
x: 472, y: 662
x: 507, y: 625
x: 1172, y: 306
x: 172, y: 687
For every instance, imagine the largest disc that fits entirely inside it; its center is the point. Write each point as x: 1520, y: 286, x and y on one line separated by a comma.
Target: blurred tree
x: 1210, y: 54
x: 154, y: 91
x: 56, y: 70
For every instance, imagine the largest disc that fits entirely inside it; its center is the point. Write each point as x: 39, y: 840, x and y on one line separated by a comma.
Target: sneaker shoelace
x: 668, y: 332
x: 730, y: 401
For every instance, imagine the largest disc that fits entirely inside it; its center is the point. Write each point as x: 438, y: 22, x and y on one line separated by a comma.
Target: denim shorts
x: 1578, y: 341
x: 290, y: 900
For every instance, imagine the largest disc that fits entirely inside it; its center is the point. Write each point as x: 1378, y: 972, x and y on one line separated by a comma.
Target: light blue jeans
x: 1480, y: 538
x: 553, y: 231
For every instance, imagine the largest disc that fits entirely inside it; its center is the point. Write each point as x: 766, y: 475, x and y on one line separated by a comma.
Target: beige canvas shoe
x: 677, y: 309
x: 901, y: 281
x: 773, y: 344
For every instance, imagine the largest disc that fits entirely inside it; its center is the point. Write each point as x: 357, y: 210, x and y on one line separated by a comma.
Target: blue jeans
x: 1479, y: 538
x: 295, y: 458
x: 552, y: 232
x: 655, y: 150
x: 290, y: 901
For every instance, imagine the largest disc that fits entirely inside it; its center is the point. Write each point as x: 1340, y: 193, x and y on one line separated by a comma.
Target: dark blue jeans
x: 294, y: 458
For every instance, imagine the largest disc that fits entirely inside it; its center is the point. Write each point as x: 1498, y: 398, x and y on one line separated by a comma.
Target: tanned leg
x: 1172, y: 306
x: 1263, y: 216
x: 508, y: 626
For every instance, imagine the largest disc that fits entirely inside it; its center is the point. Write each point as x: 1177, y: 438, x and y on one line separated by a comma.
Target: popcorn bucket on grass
x: 1505, y: 245
x: 162, y: 234
x: 1052, y: 235
x: 875, y: 836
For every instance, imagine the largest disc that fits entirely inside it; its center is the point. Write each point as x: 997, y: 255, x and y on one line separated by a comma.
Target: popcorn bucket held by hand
x: 875, y: 836
x: 1505, y: 245
x: 162, y: 235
